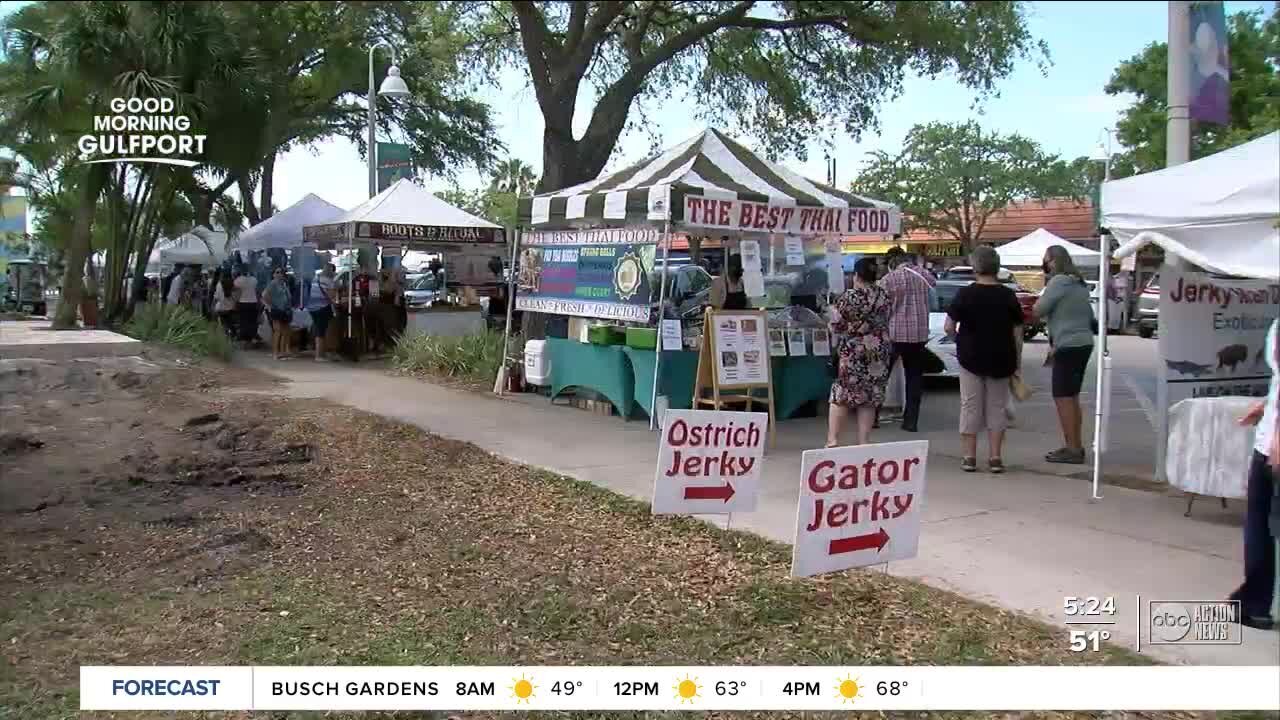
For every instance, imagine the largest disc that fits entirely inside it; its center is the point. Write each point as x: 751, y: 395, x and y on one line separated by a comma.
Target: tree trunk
x: 246, y: 201
x: 695, y: 250
x: 79, y: 246
x: 267, y: 186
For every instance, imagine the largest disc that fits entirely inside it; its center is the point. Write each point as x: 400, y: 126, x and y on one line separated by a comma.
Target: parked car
x: 688, y: 289
x: 24, y: 287
x: 421, y: 292
x: 1149, y: 308
x: 1031, y: 326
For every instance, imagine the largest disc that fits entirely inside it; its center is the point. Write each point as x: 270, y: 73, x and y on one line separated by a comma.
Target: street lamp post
x: 392, y: 86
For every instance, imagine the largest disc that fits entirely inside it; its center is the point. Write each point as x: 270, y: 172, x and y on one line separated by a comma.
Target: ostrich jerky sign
x: 749, y: 216
x: 1213, y: 332
x: 859, y: 505
x: 709, y: 462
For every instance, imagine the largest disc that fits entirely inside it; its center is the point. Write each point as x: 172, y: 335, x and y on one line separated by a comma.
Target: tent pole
x: 657, y: 348
x: 1103, y: 385
x: 501, y: 382
x: 351, y: 281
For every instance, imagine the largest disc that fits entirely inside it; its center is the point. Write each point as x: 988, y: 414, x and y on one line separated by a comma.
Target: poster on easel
x: 734, y: 357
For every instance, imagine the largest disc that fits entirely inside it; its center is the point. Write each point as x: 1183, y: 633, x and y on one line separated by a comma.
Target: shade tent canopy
x: 200, y: 246
x: 680, y: 184
x: 284, y: 229
x: 405, y: 215
x: 1028, y: 250
x: 1219, y: 212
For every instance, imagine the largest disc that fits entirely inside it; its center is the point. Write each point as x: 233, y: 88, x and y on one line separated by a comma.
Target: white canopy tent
x: 284, y: 229
x: 200, y: 246
x: 1219, y: 212
x: 407, y: 215
x: 1028, y: 250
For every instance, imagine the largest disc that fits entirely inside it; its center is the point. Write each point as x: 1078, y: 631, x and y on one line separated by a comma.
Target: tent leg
x: 500, y: 384
x: 657, y: 350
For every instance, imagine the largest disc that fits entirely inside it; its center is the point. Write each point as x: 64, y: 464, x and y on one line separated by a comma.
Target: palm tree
x: 514, y: 176
x: 64, y: 62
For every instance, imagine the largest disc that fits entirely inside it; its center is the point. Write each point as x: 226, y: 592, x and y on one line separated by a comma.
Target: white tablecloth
x: 1209, y: 451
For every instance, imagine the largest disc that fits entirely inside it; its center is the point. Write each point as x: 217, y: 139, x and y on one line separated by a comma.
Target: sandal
x: 1066, y: 456
x: 995, y: 466
x: 969, y: 464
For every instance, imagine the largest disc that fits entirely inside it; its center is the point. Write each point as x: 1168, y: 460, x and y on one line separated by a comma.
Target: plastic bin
x: 537, y: 363
x: 606, y: 335
x: 642, y: 338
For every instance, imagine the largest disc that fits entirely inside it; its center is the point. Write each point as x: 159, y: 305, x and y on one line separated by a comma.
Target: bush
x: 473, y: 358
x: 181, y: 327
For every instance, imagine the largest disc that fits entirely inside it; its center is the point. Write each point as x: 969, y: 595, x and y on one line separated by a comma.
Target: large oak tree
x: 951, y: 178
x: 781, y: 72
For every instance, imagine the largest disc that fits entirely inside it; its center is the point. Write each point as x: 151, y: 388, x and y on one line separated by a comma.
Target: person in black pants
x: 909, y: 287
x: 1257, y: 592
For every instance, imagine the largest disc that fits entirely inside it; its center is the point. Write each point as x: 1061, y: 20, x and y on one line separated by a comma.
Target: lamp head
x: 394, y: 85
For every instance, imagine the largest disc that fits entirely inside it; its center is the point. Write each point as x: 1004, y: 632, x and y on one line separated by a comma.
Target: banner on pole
x: 395, y: 161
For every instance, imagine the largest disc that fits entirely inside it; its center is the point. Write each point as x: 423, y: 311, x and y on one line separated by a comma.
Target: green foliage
x: 472, y: 358
x: 1254, y: 48
x: 180, y: 326
x: 951, y: 178
x: 782, y: 72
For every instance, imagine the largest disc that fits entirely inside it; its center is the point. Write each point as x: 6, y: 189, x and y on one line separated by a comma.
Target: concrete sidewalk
x: 1022, y: 541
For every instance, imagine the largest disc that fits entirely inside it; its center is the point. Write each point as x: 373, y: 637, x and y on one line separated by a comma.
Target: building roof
x: 1065, y: 218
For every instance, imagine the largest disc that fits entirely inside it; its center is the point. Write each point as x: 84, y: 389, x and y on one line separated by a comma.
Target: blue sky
x: 1064, y: 109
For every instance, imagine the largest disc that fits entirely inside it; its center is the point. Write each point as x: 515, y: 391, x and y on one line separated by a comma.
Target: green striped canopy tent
x: 710, y: 181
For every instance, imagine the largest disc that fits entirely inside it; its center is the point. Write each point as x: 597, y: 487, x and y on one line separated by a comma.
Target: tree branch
x: 535, y: 37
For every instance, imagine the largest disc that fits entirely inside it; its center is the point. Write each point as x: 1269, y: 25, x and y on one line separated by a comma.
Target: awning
x: 1221, y: 212
x: 710, y: 181
x: 284, y: 229
x: 406, y: 215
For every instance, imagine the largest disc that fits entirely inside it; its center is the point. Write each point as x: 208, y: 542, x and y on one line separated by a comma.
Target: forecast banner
x: 721, y: 688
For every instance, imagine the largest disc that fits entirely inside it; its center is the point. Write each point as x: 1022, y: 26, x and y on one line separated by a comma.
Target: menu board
x: 795, y: 342
x: 777, y: 342
x: 821, y: 342
x: 591, y: 280
x: 741, y: 349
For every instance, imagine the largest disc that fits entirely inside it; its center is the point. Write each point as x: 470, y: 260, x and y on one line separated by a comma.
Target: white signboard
x: 835, y: 267
x: 821, y: 343
x: 709, y: 462
x: 1212, y: 335
x: 637, y: 235
x: 859, y: 505
x: 672, y: 339
x: 584, y: 308
x: 750, y: 250
x: 795, y: 250
x: 702, y: 211
x: 742, y: 352
x: 795, y: 342
x: 777, y: 342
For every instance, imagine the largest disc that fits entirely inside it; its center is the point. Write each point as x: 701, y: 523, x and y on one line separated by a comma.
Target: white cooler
x: 537, y: 363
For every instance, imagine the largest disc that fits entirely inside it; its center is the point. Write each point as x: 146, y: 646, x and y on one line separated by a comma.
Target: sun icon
x: 847, y: 689
x: 522, y: 689
x: 687, y: 690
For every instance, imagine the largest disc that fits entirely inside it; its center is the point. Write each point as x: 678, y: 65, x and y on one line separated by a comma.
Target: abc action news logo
x: 142, y: 130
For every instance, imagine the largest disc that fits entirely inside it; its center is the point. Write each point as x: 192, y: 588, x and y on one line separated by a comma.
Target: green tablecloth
x: 679, y: 369
x: 797, y: 381
x: 602, y: 368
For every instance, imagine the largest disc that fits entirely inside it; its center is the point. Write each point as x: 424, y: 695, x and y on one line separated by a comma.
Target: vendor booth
x: 402, y: 218
x: 1028, y: 251
x: 200, y: 246
x: 283, y: 230
x: 638, y: 328
x: 1217, y: 220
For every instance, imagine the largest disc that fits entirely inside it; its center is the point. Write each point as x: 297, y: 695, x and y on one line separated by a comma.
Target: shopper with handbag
x: 276, y: 299
x: 985, y: 320
x: 1070, y: 322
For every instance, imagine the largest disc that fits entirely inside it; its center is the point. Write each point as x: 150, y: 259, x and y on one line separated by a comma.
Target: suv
x: 1149, y: 308
x: 688, y: 288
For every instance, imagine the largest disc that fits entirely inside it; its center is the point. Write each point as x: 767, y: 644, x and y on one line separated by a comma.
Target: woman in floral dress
x: 860, y: 324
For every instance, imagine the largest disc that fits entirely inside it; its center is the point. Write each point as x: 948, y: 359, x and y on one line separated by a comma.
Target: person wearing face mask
x: 1069, y: 320
x: 728, y: 291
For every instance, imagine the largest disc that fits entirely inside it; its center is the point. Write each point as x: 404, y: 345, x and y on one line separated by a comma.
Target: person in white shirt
x: 1257, y: 591
x: 246, y: 288
x: 178, y: 286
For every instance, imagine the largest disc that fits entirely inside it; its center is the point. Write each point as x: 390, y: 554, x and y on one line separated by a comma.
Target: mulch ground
x: 190, y: 515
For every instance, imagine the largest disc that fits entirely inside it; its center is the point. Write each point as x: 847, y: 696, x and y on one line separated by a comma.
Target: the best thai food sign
x: 709, y: 462
x: 748, y: 216
x: 1212, y: 334
x: 859, y: 505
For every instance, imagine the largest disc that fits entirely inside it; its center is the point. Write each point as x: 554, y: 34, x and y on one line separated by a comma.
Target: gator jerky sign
x: 859, y: 505
x: 747, y: 216
x: 1213, y: 333
x: 400, y: 232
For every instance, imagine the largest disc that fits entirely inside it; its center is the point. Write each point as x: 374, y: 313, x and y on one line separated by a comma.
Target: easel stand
x: 709, y: 371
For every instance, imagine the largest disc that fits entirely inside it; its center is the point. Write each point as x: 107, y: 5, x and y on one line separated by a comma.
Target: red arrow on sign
x: 714, y: 492
x: 875, y: 540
